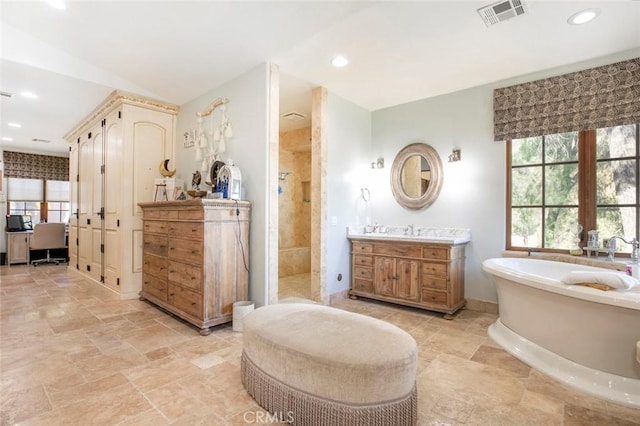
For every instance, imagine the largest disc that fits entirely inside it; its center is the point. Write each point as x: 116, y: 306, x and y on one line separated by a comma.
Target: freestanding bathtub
x: 581, y: 336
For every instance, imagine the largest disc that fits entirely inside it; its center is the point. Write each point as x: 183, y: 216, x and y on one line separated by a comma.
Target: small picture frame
x: 189, y: 138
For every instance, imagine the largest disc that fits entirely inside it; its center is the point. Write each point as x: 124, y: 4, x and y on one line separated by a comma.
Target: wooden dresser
x: 423, y: 275
x: 196, y: 258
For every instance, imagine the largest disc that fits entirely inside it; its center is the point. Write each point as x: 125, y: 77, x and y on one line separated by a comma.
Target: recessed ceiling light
x: 16, y: 125
x: 339, y: 61
x: 583, y: 16
x: 29, y: 95
x: 57, y: 4
x: 7, y: 139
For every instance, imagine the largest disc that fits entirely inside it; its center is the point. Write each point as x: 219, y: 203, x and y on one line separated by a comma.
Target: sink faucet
x: 409, y: 230
x: 634, y: 243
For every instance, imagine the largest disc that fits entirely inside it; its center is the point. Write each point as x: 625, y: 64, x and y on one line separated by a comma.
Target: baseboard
x: 482, y: 306
x: 336, y: 297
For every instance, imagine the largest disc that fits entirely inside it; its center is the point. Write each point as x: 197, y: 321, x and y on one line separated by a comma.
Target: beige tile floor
x: 73, y: 354
x: 298, y: 285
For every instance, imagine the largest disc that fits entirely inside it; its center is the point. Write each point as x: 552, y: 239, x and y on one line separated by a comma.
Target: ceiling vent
x: 293, y: 116
x: 501, y: 11
x: 41, y: 140
x: 5, y: 94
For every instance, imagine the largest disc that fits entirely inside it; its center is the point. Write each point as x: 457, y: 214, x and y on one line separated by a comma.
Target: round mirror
x: 416, y: 176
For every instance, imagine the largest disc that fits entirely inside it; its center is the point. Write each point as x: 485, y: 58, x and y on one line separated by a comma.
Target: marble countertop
x: 419, y: 234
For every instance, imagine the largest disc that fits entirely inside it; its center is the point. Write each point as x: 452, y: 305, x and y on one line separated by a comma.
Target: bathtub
x: 583, y: 337
x: 294, y: 260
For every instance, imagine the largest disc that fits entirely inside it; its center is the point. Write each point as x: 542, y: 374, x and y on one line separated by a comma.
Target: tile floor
x: 73, y: 354
x: 298, y: 285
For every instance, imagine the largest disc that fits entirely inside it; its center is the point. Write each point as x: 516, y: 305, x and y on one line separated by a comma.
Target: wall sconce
x: 378, y: 164
x: 455, y: 155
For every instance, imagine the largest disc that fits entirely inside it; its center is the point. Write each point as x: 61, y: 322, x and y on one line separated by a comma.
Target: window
x: 29, y: 197
x: 557, y: 181
x: 58, y: 206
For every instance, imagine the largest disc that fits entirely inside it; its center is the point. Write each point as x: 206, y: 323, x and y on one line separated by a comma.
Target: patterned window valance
x: 34, y: 166
x: 598, y: 97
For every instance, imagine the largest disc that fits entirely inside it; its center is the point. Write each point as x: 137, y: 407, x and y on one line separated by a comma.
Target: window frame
x: 587, y: 191
x: 44, y: 203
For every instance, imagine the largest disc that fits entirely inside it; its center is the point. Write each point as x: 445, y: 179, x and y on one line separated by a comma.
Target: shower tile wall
x: 294, y: 210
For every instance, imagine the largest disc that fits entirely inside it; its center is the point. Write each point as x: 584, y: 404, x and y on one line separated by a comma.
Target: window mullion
x: 587, y: 189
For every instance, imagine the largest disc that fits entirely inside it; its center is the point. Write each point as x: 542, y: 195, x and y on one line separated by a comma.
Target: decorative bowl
x: 196, y: 194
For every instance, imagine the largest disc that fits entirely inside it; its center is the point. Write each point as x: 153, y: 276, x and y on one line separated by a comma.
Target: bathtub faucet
x: 635, y: 247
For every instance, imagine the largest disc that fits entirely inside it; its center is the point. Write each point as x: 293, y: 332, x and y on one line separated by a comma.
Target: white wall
x: 348, y: 151
x: 473, y: 193
x: 247, y: 111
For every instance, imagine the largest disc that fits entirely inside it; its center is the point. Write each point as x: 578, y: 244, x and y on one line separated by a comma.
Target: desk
x: 18, y: 247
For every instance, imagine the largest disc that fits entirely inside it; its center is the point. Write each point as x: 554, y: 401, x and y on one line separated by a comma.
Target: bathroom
x: 294, y: 204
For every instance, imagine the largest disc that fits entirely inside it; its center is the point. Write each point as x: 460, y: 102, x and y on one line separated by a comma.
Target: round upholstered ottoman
x: 317, y: 365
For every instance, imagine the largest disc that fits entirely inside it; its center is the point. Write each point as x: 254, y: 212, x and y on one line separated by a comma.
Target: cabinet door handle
x: 171, y: 271
x: 170, y: 294
x: 193, y: 278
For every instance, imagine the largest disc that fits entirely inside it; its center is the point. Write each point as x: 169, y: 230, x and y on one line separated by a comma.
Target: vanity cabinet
x: 196, y: 258
x: 423, y: 275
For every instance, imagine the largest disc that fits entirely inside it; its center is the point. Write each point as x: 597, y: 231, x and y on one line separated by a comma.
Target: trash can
x: 240, y: 310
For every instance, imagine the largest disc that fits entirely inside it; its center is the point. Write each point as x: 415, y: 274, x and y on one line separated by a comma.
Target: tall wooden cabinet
x: 114, y: 157
x: 196, y: 258
x: 423, y: 275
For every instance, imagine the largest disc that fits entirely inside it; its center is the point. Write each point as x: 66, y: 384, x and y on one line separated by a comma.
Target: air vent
x: 41, y: 140
x: 293, y: 116
x: 6, y: 94
x: 501, y: 11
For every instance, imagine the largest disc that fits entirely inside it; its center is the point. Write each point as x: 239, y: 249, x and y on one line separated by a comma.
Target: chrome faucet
x: 635, y: 247
x: 409, y: 230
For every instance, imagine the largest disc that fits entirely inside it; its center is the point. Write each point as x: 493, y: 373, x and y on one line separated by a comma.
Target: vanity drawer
x: 431, y: 282
x: 437, y: 269
x: 362, y: 248
x: 186, y: 300
x: 365, y: 286
x: 154, y: 286
x: 363, y: 273
x: 434, y: 297
x: 363, y: 260
x: 435, y: 253
x: 404, y: 250
x: 189, y: 276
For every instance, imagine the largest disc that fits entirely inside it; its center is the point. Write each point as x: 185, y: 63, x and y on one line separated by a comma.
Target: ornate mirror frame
x: 432, y: 191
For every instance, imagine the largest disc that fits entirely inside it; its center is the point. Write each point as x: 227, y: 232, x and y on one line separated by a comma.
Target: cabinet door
x: 73, y: 205
x: 85, y: 203
x: 384, y: 279
x: 97, y: 230
x: 407, y: 274
x: 18, y: 248
x: 112, y: 200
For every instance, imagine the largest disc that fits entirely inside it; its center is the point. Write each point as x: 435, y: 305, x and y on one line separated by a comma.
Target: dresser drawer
x: 154, y: 286
x: 363, y: 273
x: 155, y: 265
x: 186, y: 229
x: 434, y: 297
x: 155, y: 227
x: 362, y: 248
x: 363, y: 260
x: 190, y: 251
x: 437, y: 269
x: 155, y: 244
x: 191, y: 214
x: 431, y: 282
x: 189, y: 276
x: 435, y: 253
x: 186, y: 300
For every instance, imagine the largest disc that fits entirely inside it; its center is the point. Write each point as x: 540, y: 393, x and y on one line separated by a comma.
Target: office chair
x: 48, y: 236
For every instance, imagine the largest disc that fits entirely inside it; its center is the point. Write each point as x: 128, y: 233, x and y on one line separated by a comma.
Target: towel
x: 615, y: 280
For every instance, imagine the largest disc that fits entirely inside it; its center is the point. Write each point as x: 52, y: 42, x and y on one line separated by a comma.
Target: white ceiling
x: 399, y: 51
